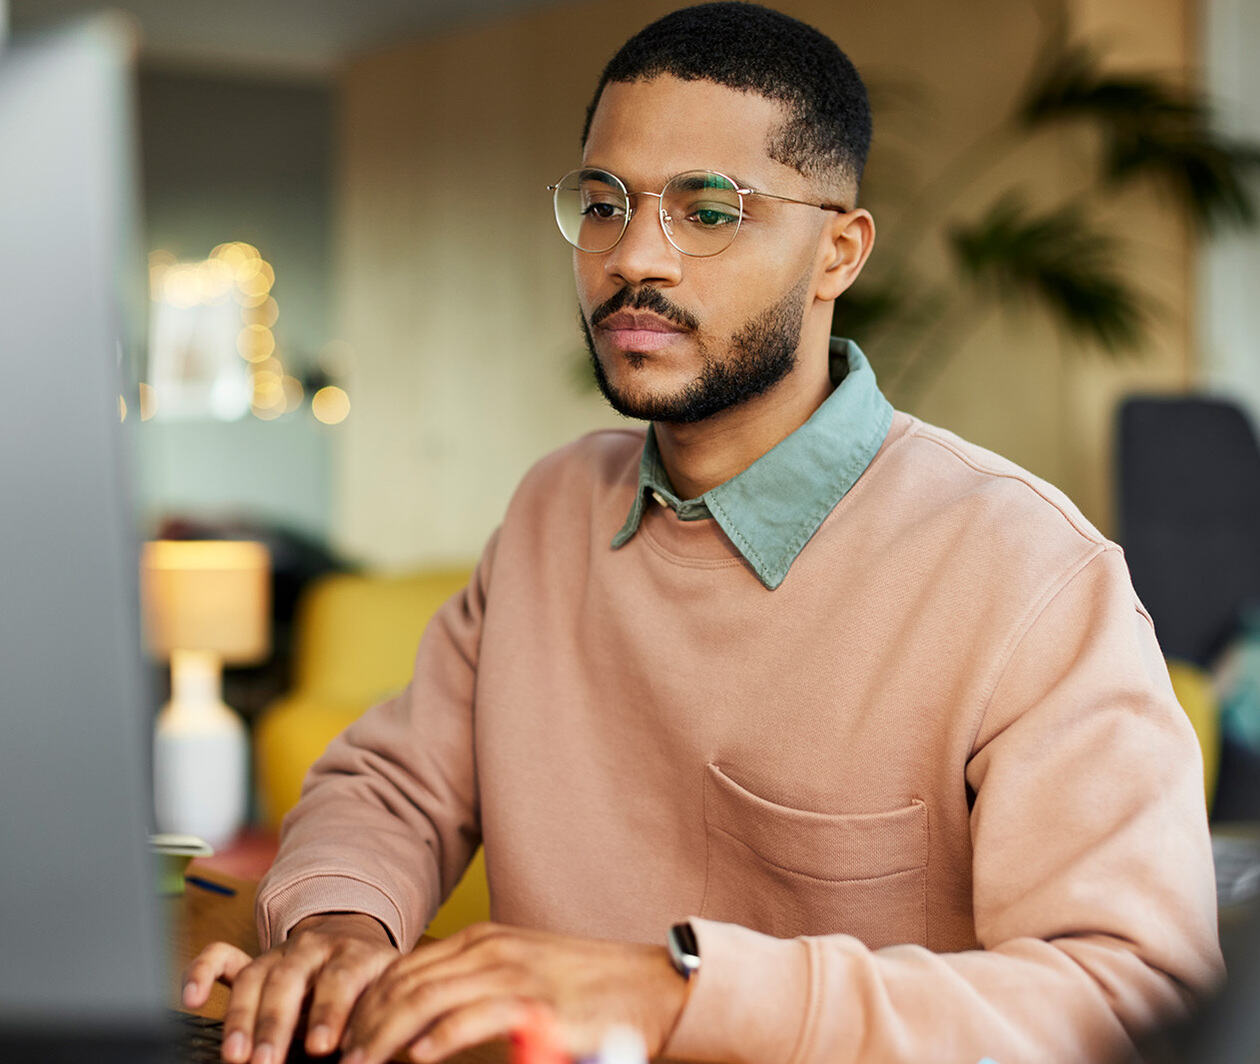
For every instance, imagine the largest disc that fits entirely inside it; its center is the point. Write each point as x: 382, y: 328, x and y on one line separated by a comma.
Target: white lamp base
x: 200, y: 755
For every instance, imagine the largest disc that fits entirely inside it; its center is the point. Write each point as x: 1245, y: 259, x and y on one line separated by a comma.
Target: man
x: 870, y: 711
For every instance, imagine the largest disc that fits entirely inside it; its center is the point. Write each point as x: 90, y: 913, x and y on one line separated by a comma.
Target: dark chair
x: 1189, y: 485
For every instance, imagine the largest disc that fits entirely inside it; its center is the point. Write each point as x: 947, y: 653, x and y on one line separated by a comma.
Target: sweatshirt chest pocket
x: 789, y: 872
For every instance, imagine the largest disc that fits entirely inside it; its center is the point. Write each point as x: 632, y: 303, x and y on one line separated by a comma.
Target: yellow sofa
x: 1193, y: 688
x: 355, y: 638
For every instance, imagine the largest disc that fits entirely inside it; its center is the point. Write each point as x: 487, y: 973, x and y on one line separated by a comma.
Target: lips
x: 639, y: 330
x: 638, y: 321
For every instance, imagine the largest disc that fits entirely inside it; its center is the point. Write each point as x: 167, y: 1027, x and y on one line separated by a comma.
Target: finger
x: 406, y: 979
x: 280, y: 1004
x: 219, y: 960
x: 337, y: 989
x: 410, y: 1010
x: 238, y: 1021
x: 475, y: 1023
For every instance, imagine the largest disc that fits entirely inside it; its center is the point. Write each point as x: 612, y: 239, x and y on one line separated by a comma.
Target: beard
x: 760, y: 354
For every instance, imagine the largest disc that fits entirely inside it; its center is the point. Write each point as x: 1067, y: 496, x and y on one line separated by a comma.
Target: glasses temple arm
x: 788, y: 199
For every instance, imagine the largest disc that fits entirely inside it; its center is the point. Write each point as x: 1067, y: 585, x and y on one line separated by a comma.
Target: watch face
x: 686, y: 936
x: 684, y: 951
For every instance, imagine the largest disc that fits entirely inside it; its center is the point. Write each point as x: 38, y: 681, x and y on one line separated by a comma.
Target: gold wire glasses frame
x: 700, y: 211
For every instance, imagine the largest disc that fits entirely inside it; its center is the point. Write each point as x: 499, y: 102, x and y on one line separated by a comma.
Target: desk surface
x: 198, y: 917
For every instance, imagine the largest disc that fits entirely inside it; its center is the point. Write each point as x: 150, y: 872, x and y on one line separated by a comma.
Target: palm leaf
x: 1152, y: 128
x: 1069, y: 82
x: 1058, y: 260
x: 1207, y: 175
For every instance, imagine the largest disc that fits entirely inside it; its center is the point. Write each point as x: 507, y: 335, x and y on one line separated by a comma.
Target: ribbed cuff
x: 279, y: 908
x: 750, y: 1000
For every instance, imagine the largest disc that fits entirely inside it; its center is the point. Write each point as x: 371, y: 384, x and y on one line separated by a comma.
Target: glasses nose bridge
x: 632, y: 210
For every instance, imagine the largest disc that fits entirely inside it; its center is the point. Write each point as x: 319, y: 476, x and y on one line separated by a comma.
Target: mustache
x: 645, y: 298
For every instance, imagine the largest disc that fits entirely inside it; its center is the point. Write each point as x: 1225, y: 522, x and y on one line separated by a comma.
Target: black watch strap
x: 684, y: 951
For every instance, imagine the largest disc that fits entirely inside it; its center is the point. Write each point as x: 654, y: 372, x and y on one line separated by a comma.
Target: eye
x: 603, y: 211
x: 713, y: 216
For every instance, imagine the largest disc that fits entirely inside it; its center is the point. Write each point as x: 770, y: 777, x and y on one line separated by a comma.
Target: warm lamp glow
x: 205, y: 602
x: 207, y: 595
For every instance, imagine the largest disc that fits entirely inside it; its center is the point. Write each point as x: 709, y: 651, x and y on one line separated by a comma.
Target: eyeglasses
x: 700, y: 211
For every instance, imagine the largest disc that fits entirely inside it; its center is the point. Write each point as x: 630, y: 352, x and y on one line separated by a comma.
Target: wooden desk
x: 198, y: 917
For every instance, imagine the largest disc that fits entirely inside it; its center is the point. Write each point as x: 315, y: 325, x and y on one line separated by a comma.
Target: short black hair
x: 753, y: 48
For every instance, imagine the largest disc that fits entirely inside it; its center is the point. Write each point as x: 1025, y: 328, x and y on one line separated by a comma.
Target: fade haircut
x: 754, y: 49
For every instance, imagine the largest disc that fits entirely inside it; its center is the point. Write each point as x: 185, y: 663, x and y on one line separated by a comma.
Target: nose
x: 643, y: 255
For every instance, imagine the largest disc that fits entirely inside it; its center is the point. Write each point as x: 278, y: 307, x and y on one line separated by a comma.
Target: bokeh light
x: 268, y: 391
x: 330, y: 405
x: 216, y: 280
x: 256, y: 281
x: 265, y: 313
x: 255, y: 343
x: 148, y: 401
x: 293, y: 393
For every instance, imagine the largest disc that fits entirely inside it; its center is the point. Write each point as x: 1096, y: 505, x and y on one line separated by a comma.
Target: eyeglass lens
x: 700, y: 210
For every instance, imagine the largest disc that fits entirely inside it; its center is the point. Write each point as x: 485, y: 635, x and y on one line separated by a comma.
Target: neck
x: 702, y: 455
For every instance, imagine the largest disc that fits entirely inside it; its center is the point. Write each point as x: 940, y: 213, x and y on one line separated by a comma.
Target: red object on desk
x: 537, y: 1041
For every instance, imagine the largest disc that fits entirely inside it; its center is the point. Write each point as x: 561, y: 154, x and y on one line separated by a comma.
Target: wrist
x: 349, y: 923
x: 675, y: 993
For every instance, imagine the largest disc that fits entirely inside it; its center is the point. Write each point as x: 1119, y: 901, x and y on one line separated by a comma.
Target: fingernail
x: 264, y: 1054
x: 420, y: 1050
x: 190, y: 993
x: 320, y: 1039
x: 234, y: 1047
x: 354, y: 1057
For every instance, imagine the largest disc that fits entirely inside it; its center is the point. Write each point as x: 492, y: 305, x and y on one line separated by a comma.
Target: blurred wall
x: 456, y: 292
x: 229, y: 158
x: 1230, y: 322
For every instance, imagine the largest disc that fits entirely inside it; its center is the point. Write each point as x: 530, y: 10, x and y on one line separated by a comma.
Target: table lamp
x: 206, y: 602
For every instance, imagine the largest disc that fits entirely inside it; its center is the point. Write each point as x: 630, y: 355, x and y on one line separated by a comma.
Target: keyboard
x: 200, y: 1039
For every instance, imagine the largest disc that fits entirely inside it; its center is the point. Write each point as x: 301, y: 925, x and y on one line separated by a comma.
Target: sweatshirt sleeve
x: 388, y: 818
x: 1092, y: 878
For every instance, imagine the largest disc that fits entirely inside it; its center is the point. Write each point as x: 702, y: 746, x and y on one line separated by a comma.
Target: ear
x: 843, y: 247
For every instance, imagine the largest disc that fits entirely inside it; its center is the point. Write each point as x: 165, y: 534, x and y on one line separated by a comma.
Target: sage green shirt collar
x: 771, y: 509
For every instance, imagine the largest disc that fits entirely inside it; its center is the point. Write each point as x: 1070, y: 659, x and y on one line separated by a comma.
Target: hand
x: 483, y: 982
x: 332, y: 957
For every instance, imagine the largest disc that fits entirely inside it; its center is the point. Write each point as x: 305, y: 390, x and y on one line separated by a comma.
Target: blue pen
x: 210, y: 885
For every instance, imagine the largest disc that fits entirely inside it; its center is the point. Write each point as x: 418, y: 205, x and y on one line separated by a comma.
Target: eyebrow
x: 595, y: 173
x: 699, y: 184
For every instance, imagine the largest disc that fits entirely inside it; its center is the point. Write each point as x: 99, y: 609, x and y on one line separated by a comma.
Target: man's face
x: 676, y: 338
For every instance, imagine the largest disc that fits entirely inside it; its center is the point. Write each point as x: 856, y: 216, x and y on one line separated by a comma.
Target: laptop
x: 82, y: 975
x: 80, y: 940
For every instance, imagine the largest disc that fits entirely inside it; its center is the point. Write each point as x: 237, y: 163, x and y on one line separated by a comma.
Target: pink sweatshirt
x: 931, y: 799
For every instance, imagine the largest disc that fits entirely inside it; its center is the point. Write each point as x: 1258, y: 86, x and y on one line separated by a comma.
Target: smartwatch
x: 684, y: 951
